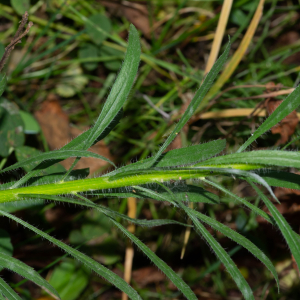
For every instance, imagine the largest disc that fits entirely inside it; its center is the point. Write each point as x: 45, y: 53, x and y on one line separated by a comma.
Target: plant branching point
x: 16, y: 39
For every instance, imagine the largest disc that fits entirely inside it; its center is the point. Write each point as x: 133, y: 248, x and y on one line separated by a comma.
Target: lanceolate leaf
x: 59, y: 154
x: 120, y: 89
x: 282, y: 224
x: 184, y: 192
x: 104, y: 210
x: 179, y: 157
x: 240, y: 240
x: 22, y: 269
x: 7, y: 291
x: 178, y: 282
x: 220, y: 252
x: 222, y: 255
x: 92, y: 264
x: 208, y: 81
x: 258, y: 158
x: 285, y: 108
x: 242, y: 201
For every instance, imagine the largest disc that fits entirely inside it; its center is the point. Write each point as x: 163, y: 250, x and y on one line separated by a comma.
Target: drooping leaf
x: 240, y: 240
x: 7, y: 291
x: 24, y: 270
x: 92, y: 264
x: 177, y: 281
x: 282, y: 224
x: 284, y: 109
x: 105, y: 210
x: 189, y: 193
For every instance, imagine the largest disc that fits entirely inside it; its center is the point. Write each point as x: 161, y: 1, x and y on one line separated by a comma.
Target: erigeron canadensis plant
x: 153, y: 178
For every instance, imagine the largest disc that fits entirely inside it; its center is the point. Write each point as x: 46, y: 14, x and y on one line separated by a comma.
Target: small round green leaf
x: 86, y: 51
x: 98, y: 28
x: 20, y: 6
x: 113, y: 65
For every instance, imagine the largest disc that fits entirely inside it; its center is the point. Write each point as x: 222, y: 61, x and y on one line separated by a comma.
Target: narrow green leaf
x: 180, y: 157
x: 222, y: 255
x: 260, y: 157
x: 282, y: 224
x: 285, y: 108
x: 121, y: 87
x: 92, y: 264
x: 242, y: 201
x: 208, y: 81
x: 7, y: 291
x: 240, y: 240
x: 219, y: 251
x: 102, y: 209
x: 59, y: 154
x: 22, y: 269
x: 184, y: 192
x: 177, y: 281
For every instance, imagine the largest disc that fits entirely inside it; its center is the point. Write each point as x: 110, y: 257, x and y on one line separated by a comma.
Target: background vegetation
x: 61, y: 75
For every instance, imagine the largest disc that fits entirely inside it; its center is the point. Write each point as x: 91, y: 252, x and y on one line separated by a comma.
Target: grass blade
x: 121, y: 87
x: 27, y: 272
x: 208, y: 81
x: 222, y: 255
x: 7, y: 291
x: 240, y: 240
x: 219, y: 251
x: 103, y: 209
x: 59, y: 154
x: 189, y: 193
x: 177, y: 281
x: 242, y: 201
x: 285, y: 108
x: 274, y: 158
x: 92, y: 264
x: 282, y: 224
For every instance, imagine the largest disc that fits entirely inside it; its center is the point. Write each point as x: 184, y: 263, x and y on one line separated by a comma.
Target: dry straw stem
x: 236, y: 58
x: 226, y: 8
x: 16, y: 39
x: 186, y: 234
x: 131, y: 204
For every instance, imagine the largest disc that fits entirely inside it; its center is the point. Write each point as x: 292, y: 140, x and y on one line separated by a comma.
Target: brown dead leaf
x: 285, y: 127
x: 58, y: 132
x: 135, y: 13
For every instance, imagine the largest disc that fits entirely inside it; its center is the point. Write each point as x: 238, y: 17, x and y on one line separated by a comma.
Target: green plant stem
x: 116, y: 181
